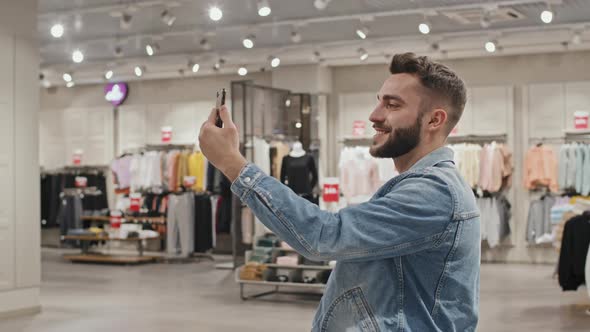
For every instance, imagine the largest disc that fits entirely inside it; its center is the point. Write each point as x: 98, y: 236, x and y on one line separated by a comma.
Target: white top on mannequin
x: 297, y: 151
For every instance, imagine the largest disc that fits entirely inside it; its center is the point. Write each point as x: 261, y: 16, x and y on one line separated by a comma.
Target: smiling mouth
x: 381, y: 131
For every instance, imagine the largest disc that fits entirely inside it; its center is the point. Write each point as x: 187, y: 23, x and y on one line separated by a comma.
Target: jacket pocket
x: 350, y: 312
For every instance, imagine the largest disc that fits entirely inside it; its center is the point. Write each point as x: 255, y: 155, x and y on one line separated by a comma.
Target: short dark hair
x: 437, y: 78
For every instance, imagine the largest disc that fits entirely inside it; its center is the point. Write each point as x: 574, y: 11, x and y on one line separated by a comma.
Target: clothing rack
x: 548, y: 140
x: 356, y: 141
x: 159, y: 147
x: 477, y: 138
x: 90, y: 191
x: 77, y: 169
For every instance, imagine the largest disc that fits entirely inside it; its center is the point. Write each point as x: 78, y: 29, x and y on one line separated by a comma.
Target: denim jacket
x: 407, y: 260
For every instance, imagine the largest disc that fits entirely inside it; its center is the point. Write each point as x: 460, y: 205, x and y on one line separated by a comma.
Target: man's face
x: 397, y: 117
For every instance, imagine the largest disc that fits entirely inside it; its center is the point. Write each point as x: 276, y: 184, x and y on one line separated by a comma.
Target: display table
x: 91, y: 257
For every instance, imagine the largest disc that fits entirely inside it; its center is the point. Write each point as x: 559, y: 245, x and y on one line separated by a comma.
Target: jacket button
x: 247, y: 180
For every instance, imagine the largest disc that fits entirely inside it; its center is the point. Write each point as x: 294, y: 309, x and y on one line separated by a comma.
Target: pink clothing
x: 122, y: 169
x: 496, y: 167
x: 540, y: 168
x: 360, y: 177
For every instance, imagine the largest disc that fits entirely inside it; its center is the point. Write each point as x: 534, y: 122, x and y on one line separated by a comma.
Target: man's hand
x: 221, y: 146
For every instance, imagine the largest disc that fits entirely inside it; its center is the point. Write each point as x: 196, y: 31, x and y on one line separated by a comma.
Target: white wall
x: 19, y: 167
x: 80, y: 118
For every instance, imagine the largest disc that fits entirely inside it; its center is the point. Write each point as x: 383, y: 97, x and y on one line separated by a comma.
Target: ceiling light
x: 321, y: 4
x: 424, y: 28
x: 263, y: 8
x: 316, y: 56
x: 67, y: 77
x: 108, y: 75
x: 490, y: 46
x: 70, y: 84
x: 57, y: 30
x: 363, y: 54
x: 215, y: 13
x: 149, y: 50
x: 125, y: 21
x: 298, y: 125
x: 288, y: 102
x: 248, y: 42
x: 194, y: 66
x: 218, y: 64
x: 205, y: 45
x: 547, y: 16
x: 46, y: 84
x: 138, y: 71
x: 167, y: 17
x: 242, y: 71
x: 77, y: 56
x: 362, y: 32
x: 295, y: 36
x: 274, y: 61
x: 577, y: 38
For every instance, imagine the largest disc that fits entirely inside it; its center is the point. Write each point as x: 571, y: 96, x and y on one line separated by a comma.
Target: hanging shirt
x: 196, y: 167
x: 121, y: 167
x: 359, y: 179
x: 580, y: 156
x: 299, y: 173
x: 540, y: 168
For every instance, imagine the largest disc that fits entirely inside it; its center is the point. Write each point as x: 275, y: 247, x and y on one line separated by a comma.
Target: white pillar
x: 20, y: 263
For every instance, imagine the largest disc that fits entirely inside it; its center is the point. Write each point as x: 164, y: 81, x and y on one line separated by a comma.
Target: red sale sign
x: 358, y: 128
x: 80, y: 181
x: 135, y: 200
x: 166, y: 134
x: 581, y: 120
x: 331, y: 192
x: 77, y: 157
x: 115, y: 219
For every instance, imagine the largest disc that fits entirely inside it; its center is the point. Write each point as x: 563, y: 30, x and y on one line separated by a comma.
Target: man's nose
x: 377, y: 115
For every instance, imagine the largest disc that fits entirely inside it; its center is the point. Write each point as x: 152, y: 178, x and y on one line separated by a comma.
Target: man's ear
x: 437, y: 118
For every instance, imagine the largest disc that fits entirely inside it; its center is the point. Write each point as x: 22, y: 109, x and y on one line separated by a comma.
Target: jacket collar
x: 437, y: 156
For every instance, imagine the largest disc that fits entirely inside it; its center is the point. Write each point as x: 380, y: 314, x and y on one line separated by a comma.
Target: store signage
x: 81, y: 181
x: 135, y: 200
x: 331, y: 190
x: 116, y: 219
x: 166, y: 134
x: 358, y: 128
x: 581, y: 119
x: 77, y: 157
x: 116, y: 93
x: 189, y: 181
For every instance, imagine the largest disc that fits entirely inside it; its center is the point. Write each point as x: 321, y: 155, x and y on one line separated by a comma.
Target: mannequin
x: 297, y: 151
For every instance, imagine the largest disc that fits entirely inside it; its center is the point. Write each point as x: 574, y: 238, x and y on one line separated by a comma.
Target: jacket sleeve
x: 410, y: 218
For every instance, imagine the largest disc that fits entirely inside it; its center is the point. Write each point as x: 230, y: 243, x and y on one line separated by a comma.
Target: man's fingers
x: 226, y: 117
x: 212, y: 115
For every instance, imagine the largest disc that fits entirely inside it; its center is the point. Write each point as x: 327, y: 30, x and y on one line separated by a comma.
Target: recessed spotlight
x: 248, y: 42
x: 215, y: 13
x: 274, y: 61
x: 167, y: 17
x: 149, y: 49
x: 424, y: 28
x: 298, y: 125
x: 362, y: 32
x: 321, y: 4
x: 57, y: 30
x: 263, y: 8
x: 295, y: 36
x: 108, y: 75
x: 194, y: 67
x: 67, y: 77
x: 242, y: 71
x: 577, y: 38
x: 138, y: 71
x: 70, y: 84
x: 125, y: 22
x: 547, y: 16
x: 363, y: 54
x: 77, y: 56
x: 491, y: 46
x: 205, y: 45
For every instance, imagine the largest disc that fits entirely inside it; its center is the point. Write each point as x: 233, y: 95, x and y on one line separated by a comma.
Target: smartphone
x: 220, y: 102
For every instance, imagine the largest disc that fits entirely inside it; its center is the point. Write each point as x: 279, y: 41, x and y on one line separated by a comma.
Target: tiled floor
x: 196, y: 297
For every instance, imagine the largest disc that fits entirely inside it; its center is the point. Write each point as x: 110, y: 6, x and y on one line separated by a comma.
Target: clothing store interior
x: 112, y: 217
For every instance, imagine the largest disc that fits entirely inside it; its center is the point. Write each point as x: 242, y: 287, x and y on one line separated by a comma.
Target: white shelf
x: 277, y: 283
x: 301, y: 267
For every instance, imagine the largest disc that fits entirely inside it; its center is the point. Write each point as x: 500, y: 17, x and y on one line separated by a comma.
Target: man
x: 408, y: 260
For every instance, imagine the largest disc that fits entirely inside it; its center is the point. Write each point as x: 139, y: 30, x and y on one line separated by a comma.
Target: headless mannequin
x: 297, y: 151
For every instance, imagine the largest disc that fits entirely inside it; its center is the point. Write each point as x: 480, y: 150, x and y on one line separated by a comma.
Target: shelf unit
x: 301, y: 267
x: 90, y: 257
x: 106, y: 219
x: 277, y: 285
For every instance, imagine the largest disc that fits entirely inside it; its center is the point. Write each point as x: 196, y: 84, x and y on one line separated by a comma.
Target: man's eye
x: 392, y: 106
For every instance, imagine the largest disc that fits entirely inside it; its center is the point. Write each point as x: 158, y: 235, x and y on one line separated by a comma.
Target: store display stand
x: 92, y: 257
x: 307, y: 288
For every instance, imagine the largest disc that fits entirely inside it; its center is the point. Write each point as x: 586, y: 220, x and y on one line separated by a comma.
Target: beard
x: 399, y: 142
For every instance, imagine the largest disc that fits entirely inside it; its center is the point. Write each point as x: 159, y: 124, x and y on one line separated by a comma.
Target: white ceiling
x: 93, y: 27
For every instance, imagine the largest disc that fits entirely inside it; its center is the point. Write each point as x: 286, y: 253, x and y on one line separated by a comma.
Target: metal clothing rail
x: 477, y: 138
